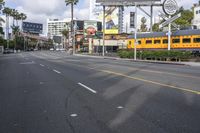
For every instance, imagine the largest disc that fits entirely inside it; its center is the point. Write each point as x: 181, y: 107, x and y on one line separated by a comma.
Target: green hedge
x: 156, y: 55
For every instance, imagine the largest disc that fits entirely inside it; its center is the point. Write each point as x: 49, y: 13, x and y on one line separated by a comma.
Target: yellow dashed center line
x: 152, y: 82
x: 143, y: 80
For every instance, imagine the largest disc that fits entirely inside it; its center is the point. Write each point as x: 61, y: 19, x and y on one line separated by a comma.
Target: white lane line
x: 73, y: 115
x: 56, y: 71
x: 42, y: 65
x: 93, y: 91
x: 120, y: 107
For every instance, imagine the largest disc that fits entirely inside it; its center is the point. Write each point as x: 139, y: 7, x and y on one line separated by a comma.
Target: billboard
x: 34, y: 28
x: 90, y: 27
x: 112, y: 20
x: 122, y: 2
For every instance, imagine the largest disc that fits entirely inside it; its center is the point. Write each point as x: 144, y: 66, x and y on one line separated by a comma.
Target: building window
x: 197, y: 12
x: 196, y: 40
x: 157, y: 41
x: 165, y: 41
x: 186, y: 40
x: 176, y: 40
x: 148, y: 41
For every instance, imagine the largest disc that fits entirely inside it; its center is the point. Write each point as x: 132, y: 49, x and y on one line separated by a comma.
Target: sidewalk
x: 196, y: 64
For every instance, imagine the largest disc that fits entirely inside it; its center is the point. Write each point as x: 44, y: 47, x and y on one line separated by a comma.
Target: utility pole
x: 135, y: 43
x: 169, y: 35
x: 104, y: 23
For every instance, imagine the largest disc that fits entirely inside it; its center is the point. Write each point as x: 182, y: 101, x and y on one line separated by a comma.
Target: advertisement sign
x: 112, y: 22
x: 34, y: 28
x: 90, y: 28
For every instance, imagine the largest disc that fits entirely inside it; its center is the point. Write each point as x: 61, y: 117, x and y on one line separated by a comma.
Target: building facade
x: 56, y: 26
x: 196, y: 20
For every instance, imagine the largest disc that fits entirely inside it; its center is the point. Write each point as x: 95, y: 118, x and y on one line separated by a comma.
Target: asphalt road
x: 52, y: 92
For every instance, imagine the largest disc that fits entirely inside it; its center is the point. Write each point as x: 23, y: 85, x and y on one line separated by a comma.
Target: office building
x: 56, y: 26
x: 196, y: 20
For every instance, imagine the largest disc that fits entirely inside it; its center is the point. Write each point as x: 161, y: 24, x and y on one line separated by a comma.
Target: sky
x: 40, y: 10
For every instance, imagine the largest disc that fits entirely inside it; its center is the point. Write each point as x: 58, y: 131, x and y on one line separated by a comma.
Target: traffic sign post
x: 170, y: 7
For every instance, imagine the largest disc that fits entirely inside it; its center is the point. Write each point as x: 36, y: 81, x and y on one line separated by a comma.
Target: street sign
x: 170, y: 7
x: 164, y: 17
x: 170, y: 20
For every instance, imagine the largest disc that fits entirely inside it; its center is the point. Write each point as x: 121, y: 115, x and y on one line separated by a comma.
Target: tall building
x: 196, y: 20
x: 56, y: 26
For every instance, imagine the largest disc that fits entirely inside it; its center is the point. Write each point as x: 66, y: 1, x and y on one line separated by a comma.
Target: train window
x: 165, y: 41
x: 196, y: 40
x: 129, y: 42
x: 186, y: 40
x: 148, y: 41
x: 176, y: 40
x: 139, y: 42
x: 157, y: 41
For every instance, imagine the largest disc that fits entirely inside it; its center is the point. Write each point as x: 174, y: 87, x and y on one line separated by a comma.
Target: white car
x: 51, y: 49
x: 62, y: 49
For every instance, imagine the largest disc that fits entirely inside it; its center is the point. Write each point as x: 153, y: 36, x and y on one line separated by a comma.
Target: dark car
x: 8, y: 51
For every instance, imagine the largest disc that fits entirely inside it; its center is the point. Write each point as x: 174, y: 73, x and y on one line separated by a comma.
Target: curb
x: 124, y: 59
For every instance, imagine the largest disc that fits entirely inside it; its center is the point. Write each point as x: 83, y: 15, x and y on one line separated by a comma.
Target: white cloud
x: 40, y: 10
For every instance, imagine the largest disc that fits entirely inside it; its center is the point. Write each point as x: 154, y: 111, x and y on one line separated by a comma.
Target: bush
x: 156, y: 55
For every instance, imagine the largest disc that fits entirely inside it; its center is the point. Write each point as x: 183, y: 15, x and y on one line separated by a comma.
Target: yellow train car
x: 181, y: 40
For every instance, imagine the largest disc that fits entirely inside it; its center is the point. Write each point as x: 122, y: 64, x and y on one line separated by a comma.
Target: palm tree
x: 22, y: 17
x: 7, y: 11
x: 15, y: 15
x: 65, y: 34
x: 15, y: 32
x: 1, y: 4
x: 72, y: 3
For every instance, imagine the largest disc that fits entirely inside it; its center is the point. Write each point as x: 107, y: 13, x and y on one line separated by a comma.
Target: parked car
x: 8, y: 51
x: 51, y: 49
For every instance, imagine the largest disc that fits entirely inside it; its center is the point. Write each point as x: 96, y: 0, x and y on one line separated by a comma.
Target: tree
x: 15, y: 31
x: 65, y: 33
x: 72, y: 3
x: 16, y: 16
x: 22, y: 17
x: 143, y: 27
x: 186, y: 18
x: 156, y: 27
x: 7, y: 11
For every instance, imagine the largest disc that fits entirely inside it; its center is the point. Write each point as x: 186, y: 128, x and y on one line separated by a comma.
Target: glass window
x: 129, y: 42
x: 196, y: 40
x: 139, y: 42
x: 197, y: 12
x: 148, y: 41
x: 186, y: 40
x: 165, y: 41
x: 176, y: 40
x: 157, y: 41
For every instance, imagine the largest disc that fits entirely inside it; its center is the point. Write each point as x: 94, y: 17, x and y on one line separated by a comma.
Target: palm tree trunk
x: 72, y: 27
x: 7, y: 30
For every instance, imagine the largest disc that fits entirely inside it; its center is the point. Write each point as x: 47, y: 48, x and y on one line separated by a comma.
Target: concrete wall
x: 120, y: 43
